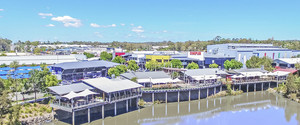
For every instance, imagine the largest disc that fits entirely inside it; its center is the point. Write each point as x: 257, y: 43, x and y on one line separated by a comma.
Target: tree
x: 132, y: 65
x: 3, y: 65
x: 134, y: 79
x: 292, y: 84
x: 152, y: 65
x: 37, y: 50
x: 105, y: 56
x: 117, y: 70
x: 5, y: 102
x: 175, y: 75
x: 15, y: 86
x: 214, y: 65
x: 256, y: 62
x: 192, y: 66
x: 51, y: 80
x: 176, y: 63
x: 233, y: 64
x: 119, y: 59
x: 35, y: 80
x: 297, y: 66
x: 88, y: 55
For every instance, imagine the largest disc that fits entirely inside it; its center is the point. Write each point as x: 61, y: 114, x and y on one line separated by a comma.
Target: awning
x: 71, y: 95
x: 86, y: 93
x: 164, y: 80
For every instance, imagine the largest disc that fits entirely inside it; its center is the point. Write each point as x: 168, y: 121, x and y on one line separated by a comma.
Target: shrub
x: 41, y: 114
x: 43, y: 109
x: 26, y: 116
x: 34, y: 104
x: 49, y: 110
x: 141, y: 102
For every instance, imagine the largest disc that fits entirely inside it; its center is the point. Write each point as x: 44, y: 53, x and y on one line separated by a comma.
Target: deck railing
x: 77, y: 103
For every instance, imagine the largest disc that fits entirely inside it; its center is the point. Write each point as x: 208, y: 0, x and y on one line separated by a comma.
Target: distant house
x: 147, y: 79
x: 286, y: 62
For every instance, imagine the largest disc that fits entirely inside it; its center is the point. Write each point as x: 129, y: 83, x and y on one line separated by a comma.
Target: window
x: 158, y: 60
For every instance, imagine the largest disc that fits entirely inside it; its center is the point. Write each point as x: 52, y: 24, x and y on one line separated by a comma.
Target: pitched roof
x: 289, y: 60
x: 64, y: 89
x: 85, y: 64
x: 207, y: 71
x: 146, y: 75
x: 111, y: 85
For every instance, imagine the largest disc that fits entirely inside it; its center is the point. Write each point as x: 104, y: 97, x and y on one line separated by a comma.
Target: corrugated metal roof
x: 145, y: 75
x: 85, y: 64
x: 77, y: 87
x: 289, y: 60
x: 208, y: 71
x: 111, y: 85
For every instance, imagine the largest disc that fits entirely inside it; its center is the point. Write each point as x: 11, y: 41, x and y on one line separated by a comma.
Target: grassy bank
x: 29, y: 112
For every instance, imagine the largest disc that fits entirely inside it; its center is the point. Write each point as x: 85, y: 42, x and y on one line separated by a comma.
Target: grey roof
x: 85, y: 64
x: 250, y: 70
x: 111, y: 85
x: 207, y: 71
x: 64, y: 89
x: 146, y: 75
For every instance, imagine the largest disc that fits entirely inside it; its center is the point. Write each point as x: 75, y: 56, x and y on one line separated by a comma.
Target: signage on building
x: 195, y: 53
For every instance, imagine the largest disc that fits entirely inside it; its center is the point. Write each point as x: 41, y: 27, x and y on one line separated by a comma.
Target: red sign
x: 119, y: 53
x: 195, y: 53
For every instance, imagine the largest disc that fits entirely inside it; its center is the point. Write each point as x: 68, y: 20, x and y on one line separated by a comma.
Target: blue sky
x: 148, y: 20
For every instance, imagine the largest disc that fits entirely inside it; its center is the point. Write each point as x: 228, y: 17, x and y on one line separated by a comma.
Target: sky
x: 148, y: 20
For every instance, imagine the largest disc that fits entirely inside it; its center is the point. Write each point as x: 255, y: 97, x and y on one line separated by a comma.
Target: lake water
x: 251, y: 108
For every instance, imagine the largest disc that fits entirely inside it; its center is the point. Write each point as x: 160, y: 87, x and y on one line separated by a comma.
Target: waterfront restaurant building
x: 206, y: 76
x: 148, y: 79
x: 97, y: 92
x: 70, y: 72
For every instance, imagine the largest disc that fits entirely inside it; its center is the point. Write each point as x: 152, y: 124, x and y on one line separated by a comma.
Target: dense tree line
x: 197, y: 45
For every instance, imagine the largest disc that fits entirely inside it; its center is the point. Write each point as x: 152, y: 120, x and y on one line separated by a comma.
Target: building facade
x: 243, y: 52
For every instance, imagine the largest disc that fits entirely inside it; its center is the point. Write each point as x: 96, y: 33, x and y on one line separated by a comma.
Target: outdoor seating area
x: 256, y: 75
x: 94, y: 91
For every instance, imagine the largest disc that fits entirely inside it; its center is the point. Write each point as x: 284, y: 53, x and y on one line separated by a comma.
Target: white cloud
x: 68, y: 21
x: 132, y: 24
x: 102, y: 26
x: 1, y: 9
x: 44, y: 15
x: 94, y: 25
x: 122, y: 24
x: 138, y: 29
x: 98, y: 34
x: 50, y: 25
x: 165, y: 31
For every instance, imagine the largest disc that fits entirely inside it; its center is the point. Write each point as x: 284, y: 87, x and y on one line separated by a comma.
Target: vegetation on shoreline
x: 227, y: 92
x: 290, y: 89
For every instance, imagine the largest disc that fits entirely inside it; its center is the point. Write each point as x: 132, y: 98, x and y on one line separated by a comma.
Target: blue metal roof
x: 5, y: 69
x: 85, y: 64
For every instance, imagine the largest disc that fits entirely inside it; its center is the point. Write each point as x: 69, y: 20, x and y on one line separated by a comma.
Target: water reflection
x: 248, y: 108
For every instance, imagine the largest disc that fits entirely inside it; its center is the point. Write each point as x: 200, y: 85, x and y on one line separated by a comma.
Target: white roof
x: 164, y: 80
x: 86, y: 93
x: 280, y: 73
x: 290, y: 60
x: 160, y: 80
x: 71, y: 95
x: 112, y: 85
x: 205, y: 77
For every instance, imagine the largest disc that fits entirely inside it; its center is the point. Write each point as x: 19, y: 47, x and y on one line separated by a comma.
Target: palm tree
x: 34, y: 80
x: 15, y: 65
